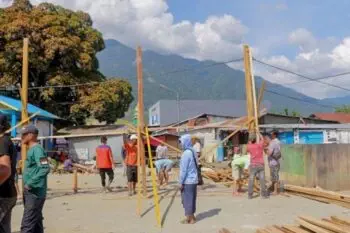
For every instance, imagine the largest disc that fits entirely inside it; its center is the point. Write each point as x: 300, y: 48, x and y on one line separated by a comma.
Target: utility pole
x: 24, y: 94
x: 252, y: 110
x: 141, y: 120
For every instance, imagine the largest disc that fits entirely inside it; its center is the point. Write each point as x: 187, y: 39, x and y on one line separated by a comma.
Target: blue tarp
x: 16, y: 105
x: 286, y: 137
x: 312, y: 137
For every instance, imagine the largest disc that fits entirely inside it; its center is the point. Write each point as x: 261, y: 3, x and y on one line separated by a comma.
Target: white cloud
x: 149, y: 23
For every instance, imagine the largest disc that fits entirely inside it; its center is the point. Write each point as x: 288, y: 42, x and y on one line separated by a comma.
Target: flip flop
x: 184, y: 221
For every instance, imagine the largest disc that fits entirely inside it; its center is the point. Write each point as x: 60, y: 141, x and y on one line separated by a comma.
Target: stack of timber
x: 309, y: 224
x: 222, y: 175
x: 320, y: 195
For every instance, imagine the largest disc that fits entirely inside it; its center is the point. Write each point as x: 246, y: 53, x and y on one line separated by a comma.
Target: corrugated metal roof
x: 333, y: 116
x: 16, y: 105
x: 192, y: 108
x: 308, y: 126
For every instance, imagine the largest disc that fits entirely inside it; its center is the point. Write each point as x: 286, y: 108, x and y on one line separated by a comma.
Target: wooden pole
x: 19, y: 124
x: 248, y: 85
x: 261, y: 94
x: 24, y: 95
x: 252, y: 110
x: 140, y: 122
x: 75, y: 180
x: 154, y: 182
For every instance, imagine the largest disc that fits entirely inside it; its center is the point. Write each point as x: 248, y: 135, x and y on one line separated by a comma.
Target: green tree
x: 343, y: 109
x: 63, y: 47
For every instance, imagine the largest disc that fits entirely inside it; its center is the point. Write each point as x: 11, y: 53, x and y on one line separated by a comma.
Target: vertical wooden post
x: 75, y: 180
x: 261, y: 94
x: 24, y: 95
x: 252, y: 110
x: 140, y: 122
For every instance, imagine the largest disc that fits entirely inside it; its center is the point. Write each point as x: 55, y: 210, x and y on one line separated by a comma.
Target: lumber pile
x: 320, y: 195
x: 306, y: 224
x: 222, y: 175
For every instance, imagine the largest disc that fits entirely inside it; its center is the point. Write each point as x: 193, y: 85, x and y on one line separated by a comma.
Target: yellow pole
x: 154, y: 182
x: 24, y: 96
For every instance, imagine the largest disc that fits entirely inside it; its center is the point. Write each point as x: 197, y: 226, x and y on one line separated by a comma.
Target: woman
x: 188, y: 179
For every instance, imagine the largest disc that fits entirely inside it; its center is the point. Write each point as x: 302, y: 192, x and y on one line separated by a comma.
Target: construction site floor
x: 91, y: 211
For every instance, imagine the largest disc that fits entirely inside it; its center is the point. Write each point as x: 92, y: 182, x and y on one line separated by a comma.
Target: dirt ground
x: 91, y: 211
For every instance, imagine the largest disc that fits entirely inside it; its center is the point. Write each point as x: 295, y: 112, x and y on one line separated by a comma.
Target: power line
x: 4, y: 88
x: 300, y: 75
x: 322, y: 78
x: 299, y: 99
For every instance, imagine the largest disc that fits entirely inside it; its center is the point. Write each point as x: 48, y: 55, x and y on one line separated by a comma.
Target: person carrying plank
x: 35, y: 181
x: 240, y: 162
x: 105, y: 163
x: 163, y: 164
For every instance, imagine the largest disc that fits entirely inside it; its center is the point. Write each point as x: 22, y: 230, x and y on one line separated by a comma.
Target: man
x: 256, y: 151
x: 35, y: 181
x: 105, y: 163
x: 8, y: 194
x: 131, y: 163
x: 197, y: 146
x: 239, y: 163
x: 274, y: 153
x: 163, y: 164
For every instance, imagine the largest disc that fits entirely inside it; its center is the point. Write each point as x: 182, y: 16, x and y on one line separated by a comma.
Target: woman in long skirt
x: 188, y: 179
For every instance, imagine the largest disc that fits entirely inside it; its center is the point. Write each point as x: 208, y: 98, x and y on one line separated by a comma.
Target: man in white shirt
x: 197, y: 147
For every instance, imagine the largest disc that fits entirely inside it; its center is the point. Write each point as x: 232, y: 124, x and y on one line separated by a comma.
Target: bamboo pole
x: 24, y: 94
x: 75, y: 180
x: 140, y: 122
x: 154, y: 182
x: 248, y: 85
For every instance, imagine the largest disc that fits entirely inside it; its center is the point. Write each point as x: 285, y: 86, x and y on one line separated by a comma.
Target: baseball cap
x: 133, y: 137
x: 29, y: 129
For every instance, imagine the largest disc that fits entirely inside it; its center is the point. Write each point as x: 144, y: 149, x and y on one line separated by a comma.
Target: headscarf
x: 186, y: 142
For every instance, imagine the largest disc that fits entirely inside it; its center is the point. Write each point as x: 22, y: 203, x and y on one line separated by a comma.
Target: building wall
x: 154, y: 115
x: 86, y: 146
x: 326, y: 166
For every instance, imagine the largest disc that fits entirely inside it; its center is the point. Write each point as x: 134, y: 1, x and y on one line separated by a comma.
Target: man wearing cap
x: 8, y: 194
x: 131, y: 163
x: 35, y: 181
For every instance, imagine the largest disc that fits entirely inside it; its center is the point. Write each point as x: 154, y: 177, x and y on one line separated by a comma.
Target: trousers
x: 110, y: 174
x: 258, y: 171
x: 6, y: 206
x: 32, y: 221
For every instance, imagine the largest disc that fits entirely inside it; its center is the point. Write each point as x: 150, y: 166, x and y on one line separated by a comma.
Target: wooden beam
x: 24, y: 94
x: 312, y: 227
x: 261, y: 94
x: 248, y: 85
x: 140, y: 119
x: 322, y: 224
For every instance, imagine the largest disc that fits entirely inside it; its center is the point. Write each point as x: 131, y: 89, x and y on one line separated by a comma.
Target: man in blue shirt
x: 188, y: 179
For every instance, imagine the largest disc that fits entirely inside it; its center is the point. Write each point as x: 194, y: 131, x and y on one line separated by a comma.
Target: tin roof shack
x: 83, y: 140
x: 44, y: 120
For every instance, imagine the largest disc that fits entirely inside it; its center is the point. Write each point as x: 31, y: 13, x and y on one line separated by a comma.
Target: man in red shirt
x: 131, y: 163
x: 257, y: 167
x: 105, y: 163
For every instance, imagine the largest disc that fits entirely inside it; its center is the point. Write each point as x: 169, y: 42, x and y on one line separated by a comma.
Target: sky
x: 308, y: 37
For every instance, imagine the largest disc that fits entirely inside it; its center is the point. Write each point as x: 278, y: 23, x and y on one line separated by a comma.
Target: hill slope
x: 203, y: 82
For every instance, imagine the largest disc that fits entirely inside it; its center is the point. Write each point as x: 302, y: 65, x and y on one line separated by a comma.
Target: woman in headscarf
x: 188, y: 179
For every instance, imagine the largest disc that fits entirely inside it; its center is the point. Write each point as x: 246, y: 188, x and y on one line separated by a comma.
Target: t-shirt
x: 256, y: 152
x: 241, y: 161
x: 162, y: 152
x: 103, y: 156
x: 131, y: 155
x: 274, y: 147
x: 36, y: 170
x: 8, y: 189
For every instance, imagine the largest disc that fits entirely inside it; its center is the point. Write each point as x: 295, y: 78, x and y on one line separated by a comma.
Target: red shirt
x: 256, y: 152
x: 103, y: 156
x: 131, y: 155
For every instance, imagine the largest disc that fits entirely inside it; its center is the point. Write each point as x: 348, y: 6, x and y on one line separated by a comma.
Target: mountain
x: 345, y: 100
x: 202, y: 80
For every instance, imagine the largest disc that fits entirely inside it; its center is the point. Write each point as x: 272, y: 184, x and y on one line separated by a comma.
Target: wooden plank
x: 319, y: 193
x: 295, y: 229
x: 341, y: 220
x: 312, y: 227
x: 323, y: 224
x: 342, y: 226
x: 224, y: 230
x: 272, y: 229
x: 280, y: 229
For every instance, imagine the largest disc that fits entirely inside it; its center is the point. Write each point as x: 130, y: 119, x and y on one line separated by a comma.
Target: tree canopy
x: 62, y: 51
x: 343, y: 109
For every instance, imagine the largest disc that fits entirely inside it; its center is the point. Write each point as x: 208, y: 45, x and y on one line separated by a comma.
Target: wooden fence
x: 326, y: 166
